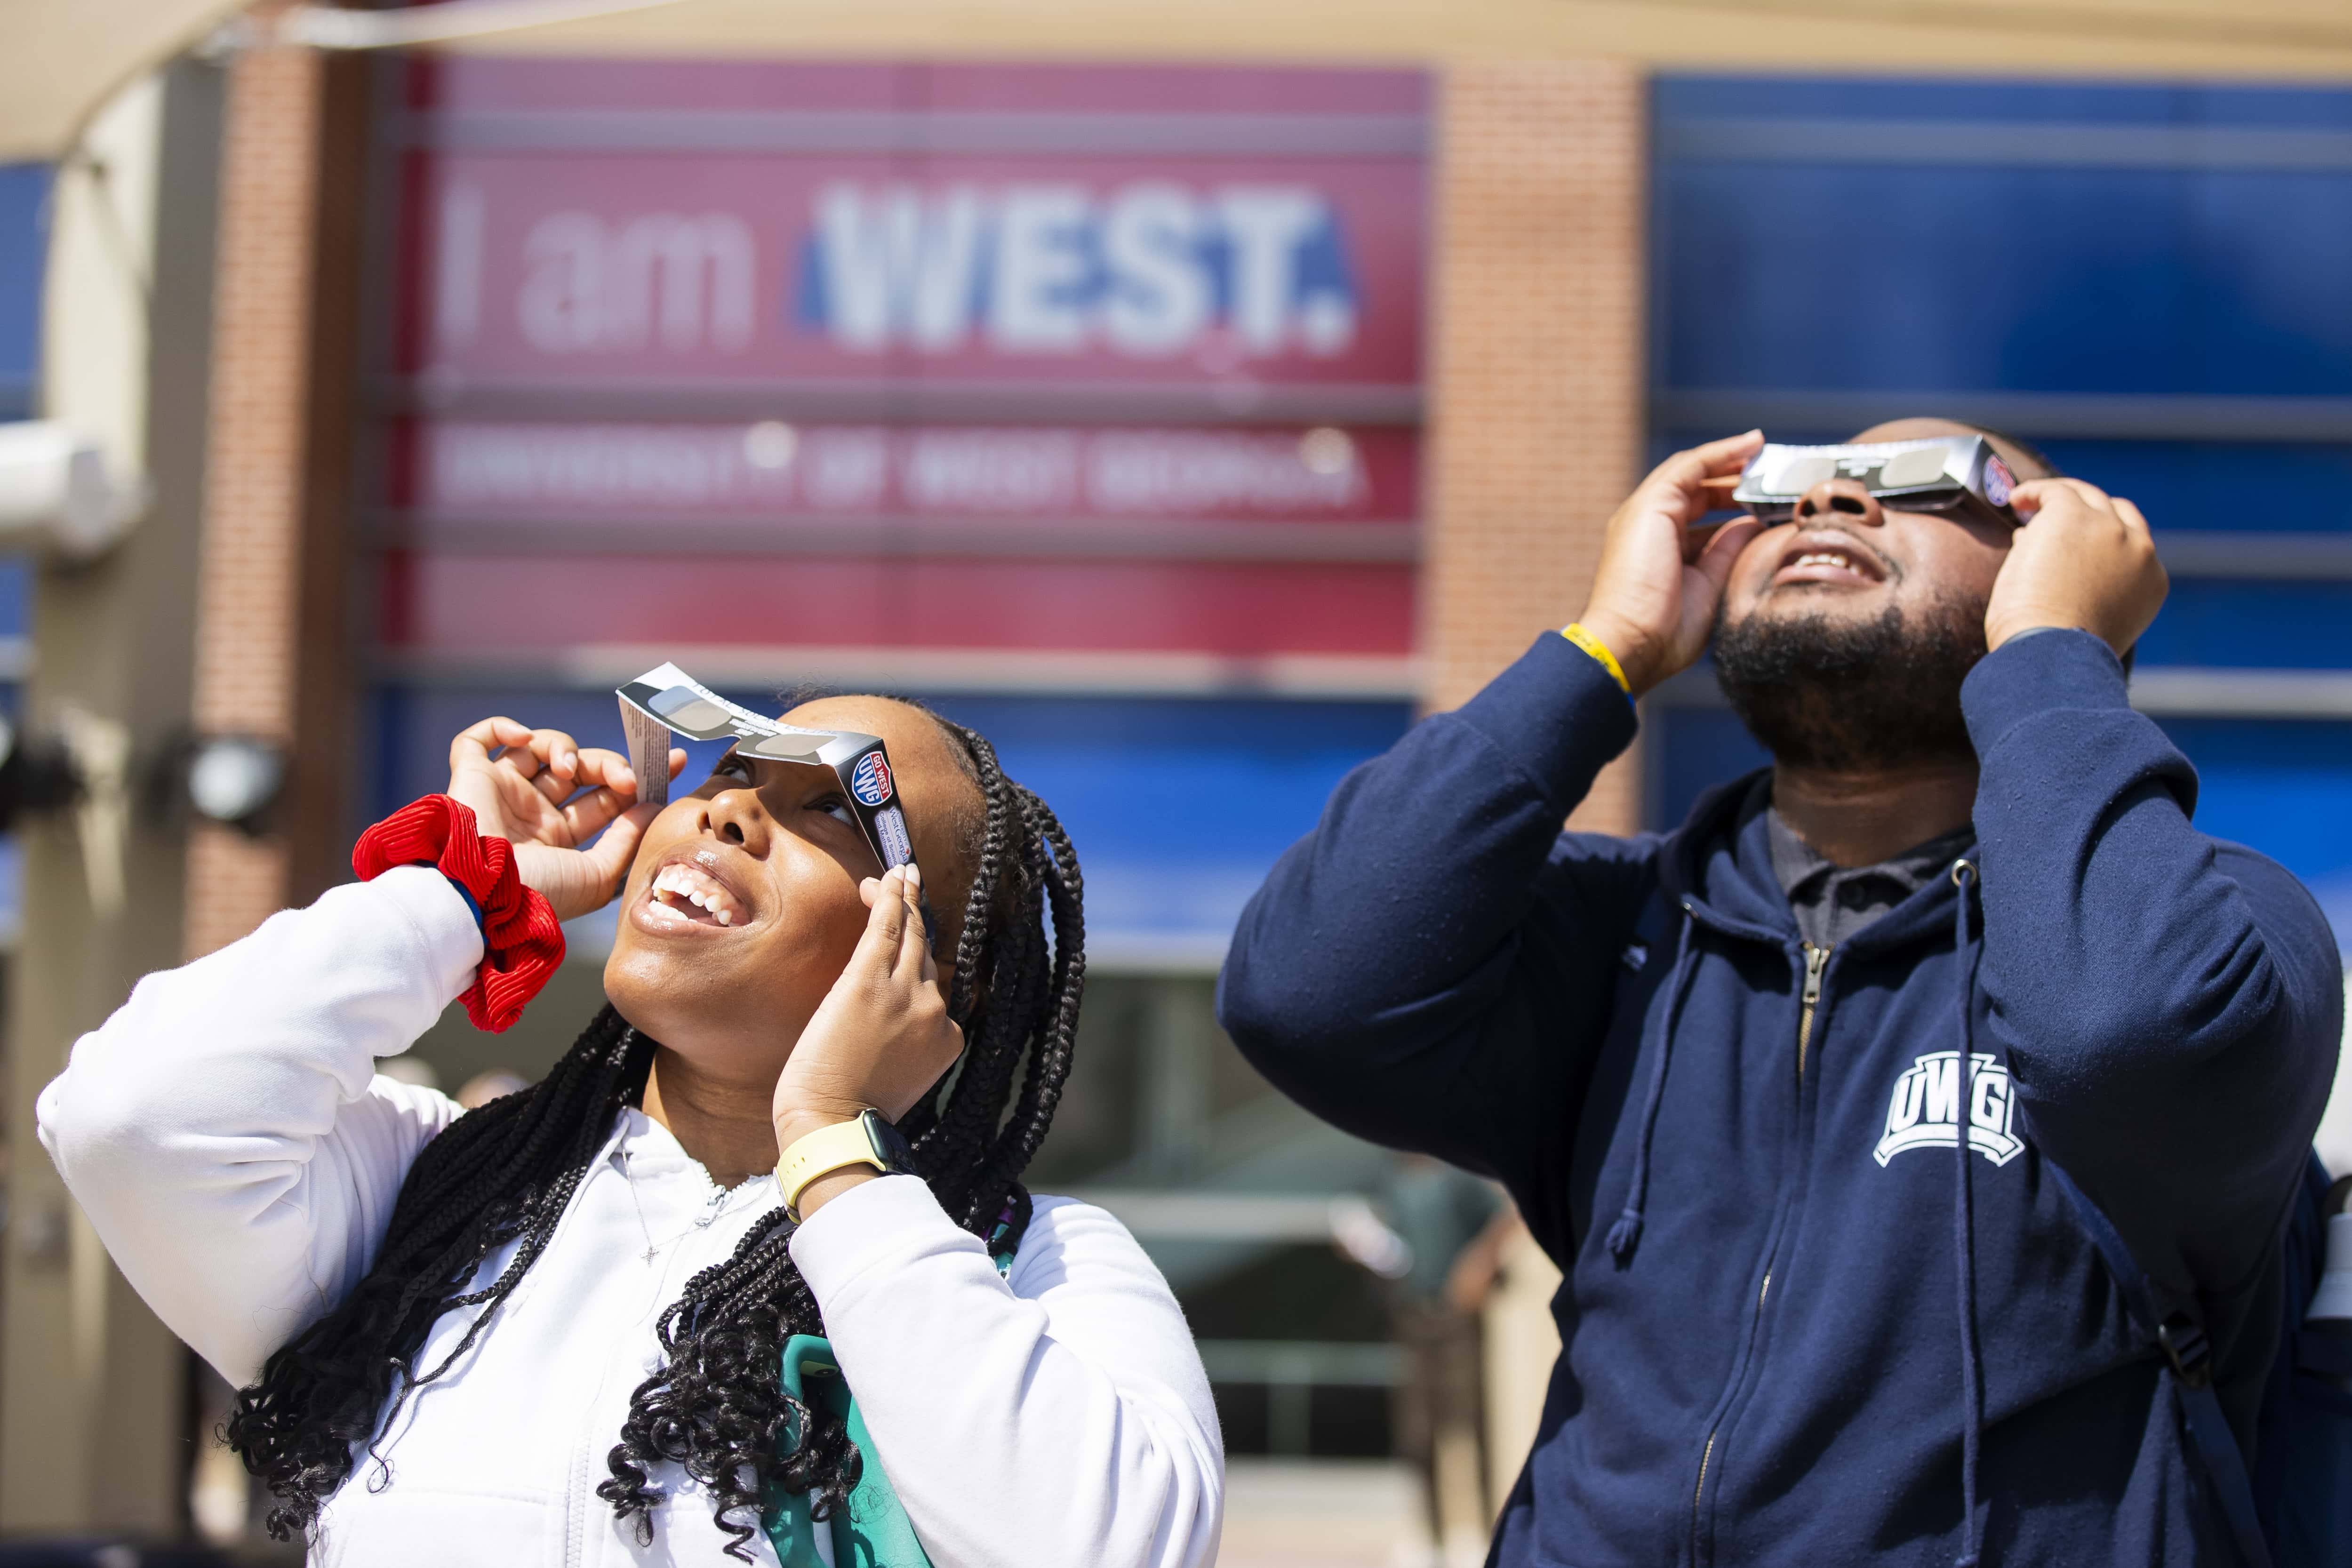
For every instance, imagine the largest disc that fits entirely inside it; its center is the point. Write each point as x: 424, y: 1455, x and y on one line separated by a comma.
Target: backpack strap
x: 873, y: 1531
x: 2328, y: 1355
x: 1000, y: 1246
x: 2179, y: 1336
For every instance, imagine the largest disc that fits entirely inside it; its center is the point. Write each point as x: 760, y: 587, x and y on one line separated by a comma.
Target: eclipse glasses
x: 668, y: 701
x: 1941, y: 473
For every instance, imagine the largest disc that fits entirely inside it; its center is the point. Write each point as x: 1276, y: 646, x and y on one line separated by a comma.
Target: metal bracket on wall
x: 101, y: 750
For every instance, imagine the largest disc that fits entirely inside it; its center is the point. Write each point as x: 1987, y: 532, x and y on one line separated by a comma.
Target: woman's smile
x: 691, y: 893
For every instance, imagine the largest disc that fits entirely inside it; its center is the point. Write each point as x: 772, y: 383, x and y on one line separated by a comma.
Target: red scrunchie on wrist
x: 522, y: 942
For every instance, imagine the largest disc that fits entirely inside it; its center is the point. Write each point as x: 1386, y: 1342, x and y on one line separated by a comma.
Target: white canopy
x: 63, y: 56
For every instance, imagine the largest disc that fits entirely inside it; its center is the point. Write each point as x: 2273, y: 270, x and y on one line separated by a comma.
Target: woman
x: 549, y: 1330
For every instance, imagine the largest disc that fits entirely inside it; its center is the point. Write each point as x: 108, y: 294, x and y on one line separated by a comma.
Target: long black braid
x: 716, y: 1408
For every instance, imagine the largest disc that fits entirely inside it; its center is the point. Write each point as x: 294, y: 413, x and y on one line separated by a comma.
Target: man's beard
x: 1847, y: 698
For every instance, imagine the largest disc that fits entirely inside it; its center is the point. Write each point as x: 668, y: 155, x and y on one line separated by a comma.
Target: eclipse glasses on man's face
x: 1941, y: 473
x: 668, y: 701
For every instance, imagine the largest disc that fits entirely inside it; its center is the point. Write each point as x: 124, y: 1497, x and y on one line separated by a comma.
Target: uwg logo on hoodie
x: 1149, y: 270
x: 1924, y: 1112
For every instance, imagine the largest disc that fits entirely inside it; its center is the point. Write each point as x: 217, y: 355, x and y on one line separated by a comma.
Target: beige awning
x: 64, y: 56
x: 2289, y: 39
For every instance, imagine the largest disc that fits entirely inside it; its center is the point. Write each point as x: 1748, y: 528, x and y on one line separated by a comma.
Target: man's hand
x: 1652, y: 605
x: 2083, y: 558
x: 880, y: 1037
x: 547, y: 797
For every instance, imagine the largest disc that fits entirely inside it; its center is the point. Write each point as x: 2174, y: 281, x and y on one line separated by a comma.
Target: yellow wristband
x: 1574, y: 632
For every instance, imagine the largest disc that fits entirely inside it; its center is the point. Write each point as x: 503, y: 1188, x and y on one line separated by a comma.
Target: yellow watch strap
x: 820, y: 1153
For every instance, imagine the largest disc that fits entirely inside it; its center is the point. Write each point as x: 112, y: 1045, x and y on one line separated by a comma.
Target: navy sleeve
x: 2171, y: 1005
x: 1427, y: 968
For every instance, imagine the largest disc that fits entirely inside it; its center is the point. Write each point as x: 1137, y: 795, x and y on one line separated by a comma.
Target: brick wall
x: 247, y: 591
x: 1536, y: 385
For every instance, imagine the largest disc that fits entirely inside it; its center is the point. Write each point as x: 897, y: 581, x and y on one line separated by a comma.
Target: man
x: 1724, y: 1071
x: 1436, y: 1239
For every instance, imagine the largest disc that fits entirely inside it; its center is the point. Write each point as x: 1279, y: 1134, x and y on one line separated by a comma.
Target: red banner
x: 522, y: 608
x: 774, y: 473
x: 657, y: 237
x: 1052, y: 358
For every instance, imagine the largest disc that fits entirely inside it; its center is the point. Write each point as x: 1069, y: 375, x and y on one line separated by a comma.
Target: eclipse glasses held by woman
x: 1941, y: 473
x: 668, y: 701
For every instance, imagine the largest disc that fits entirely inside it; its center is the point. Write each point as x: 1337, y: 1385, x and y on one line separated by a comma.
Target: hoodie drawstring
x: 1626, y: 1234
x: 1964, y: 1228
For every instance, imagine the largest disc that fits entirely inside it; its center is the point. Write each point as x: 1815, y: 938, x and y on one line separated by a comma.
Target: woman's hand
x: 881, y: 1037
x: 547, y: 797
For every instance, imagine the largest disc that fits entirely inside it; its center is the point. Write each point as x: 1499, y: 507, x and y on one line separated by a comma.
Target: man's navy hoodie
x: 1755, y: 1204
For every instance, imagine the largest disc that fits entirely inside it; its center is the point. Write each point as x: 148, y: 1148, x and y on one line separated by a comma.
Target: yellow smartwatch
x: 868, y: 1140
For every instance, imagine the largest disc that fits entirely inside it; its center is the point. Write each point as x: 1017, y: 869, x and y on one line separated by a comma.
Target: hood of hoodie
x: 1719, y: 861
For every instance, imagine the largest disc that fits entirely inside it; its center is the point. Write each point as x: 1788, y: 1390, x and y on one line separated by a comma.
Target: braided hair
x: 503, y: 1174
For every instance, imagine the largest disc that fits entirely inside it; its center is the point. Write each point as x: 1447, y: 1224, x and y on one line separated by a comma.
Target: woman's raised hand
x: 547, y: 797
x: 882, y: 1036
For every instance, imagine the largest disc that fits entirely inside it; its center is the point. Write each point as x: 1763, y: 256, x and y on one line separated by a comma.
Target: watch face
x: 897, y: 1157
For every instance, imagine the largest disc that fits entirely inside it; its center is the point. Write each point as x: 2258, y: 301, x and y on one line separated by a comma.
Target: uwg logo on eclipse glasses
x: 1151, y: 268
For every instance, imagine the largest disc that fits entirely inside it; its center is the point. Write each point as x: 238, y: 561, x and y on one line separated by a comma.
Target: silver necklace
x: 721, y: 1198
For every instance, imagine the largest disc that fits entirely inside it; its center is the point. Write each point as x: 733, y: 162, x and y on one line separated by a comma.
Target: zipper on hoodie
x: 575, y: 1522
x: 1809, y: 1002
x: 1816, y: 960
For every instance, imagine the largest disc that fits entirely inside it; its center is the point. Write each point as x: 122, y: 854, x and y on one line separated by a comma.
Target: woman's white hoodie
x: 228, y: 1137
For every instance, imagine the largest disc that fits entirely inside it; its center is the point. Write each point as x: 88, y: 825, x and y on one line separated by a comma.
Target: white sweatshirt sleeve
x: 224, y: 1130
x: 1056, y: 1419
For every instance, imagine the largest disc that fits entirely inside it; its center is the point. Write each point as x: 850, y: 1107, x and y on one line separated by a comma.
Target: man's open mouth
x: 684, y: 891
x: 1825, y: 559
